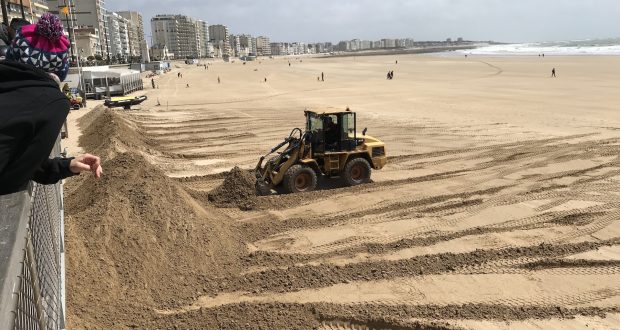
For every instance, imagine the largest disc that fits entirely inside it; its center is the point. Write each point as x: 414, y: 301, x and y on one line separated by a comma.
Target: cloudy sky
x: 335, y: 20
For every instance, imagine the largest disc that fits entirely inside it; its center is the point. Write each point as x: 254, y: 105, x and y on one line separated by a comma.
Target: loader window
x: 332, y: 132
x: 348, y: 132
x: 348, y: 126
x: 315, y: 124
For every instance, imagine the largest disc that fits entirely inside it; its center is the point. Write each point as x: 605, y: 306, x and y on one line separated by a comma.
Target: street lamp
x: 21, y: 4
x: 5, y: 16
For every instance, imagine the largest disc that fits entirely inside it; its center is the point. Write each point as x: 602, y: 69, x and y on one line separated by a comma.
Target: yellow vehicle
x: 328, y: 147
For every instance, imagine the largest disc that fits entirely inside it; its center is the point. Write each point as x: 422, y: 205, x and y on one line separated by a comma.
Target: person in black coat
x: 32, y: 112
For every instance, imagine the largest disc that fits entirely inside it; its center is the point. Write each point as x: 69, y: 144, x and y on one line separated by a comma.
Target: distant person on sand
x: 153, y: 83
x: 322, y: 76
x: 553, y: 72
x: 265, y: 79
x: 34, y: 109
x: 218, y: 79
x: 187, y: 85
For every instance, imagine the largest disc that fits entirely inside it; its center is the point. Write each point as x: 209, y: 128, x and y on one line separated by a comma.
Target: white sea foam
x: 575, y: 47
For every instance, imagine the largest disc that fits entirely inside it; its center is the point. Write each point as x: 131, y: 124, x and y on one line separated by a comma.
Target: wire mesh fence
x: 32, y: 287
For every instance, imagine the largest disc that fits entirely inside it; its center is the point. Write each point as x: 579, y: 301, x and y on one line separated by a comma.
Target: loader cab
x: 332, y: 131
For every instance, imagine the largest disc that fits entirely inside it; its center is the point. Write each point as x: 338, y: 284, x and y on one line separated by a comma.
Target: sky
x: 336, y: 20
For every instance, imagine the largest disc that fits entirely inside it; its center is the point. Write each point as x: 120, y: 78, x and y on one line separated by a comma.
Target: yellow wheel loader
x: 329, y: 146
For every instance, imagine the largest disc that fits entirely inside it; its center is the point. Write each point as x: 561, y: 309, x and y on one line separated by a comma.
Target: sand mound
x: 237, y: 190
x: 105, y: 132
x: 135, y: 239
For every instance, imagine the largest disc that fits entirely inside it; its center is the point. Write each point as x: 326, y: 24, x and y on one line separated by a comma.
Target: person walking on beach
x: 218, y: 79
x: 553, y: 73
x: 322, y: 76
x: 153, y: 83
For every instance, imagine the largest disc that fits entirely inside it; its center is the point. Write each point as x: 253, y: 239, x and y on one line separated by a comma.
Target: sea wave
x: 571, y: 47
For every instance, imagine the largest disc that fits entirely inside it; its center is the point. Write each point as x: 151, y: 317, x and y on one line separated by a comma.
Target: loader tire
x: 357, y: 171
x: 299, y: 178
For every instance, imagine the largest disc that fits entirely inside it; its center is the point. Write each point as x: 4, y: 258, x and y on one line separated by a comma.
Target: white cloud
x: 334, y: 20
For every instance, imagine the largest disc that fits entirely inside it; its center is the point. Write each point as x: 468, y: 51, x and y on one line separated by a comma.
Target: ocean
x: 574, y: 47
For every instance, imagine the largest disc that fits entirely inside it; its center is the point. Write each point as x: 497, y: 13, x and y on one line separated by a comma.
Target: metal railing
x: 32, y: 258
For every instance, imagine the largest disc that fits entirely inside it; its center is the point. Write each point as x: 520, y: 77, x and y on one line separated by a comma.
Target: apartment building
x: 38, y: 8
x: 220, y: 39
x: 28, y: 9
x: 235, y: 46
x: 277, y: 48
x: 202, y: 38
x: 85, y: 14
x: 15, y: 9
x: 182, y: 35
x: 118, y: 36
x: 263, y: 47
x: 247, y: 42
x: 135, y: 31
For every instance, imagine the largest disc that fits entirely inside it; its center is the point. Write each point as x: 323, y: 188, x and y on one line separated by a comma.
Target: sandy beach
x: 499, y: 206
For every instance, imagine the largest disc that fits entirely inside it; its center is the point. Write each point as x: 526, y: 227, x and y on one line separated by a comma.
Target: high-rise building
x: 277, y: 48
x: 220, y: 39
x: 38, y: 7
x: 202, y: 38
x: 235, y: 46
x: 118, y: 34
x: 181, y: 35
x: 85, y: 14
x: 15, y: 9
x: 389, y: 43
x: 144, y: 51
x: 246, y: 41
x: 135, y: 31
x: 263, y: 47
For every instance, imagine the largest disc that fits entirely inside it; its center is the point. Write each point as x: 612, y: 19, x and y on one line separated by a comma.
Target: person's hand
x: 86, y: 162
